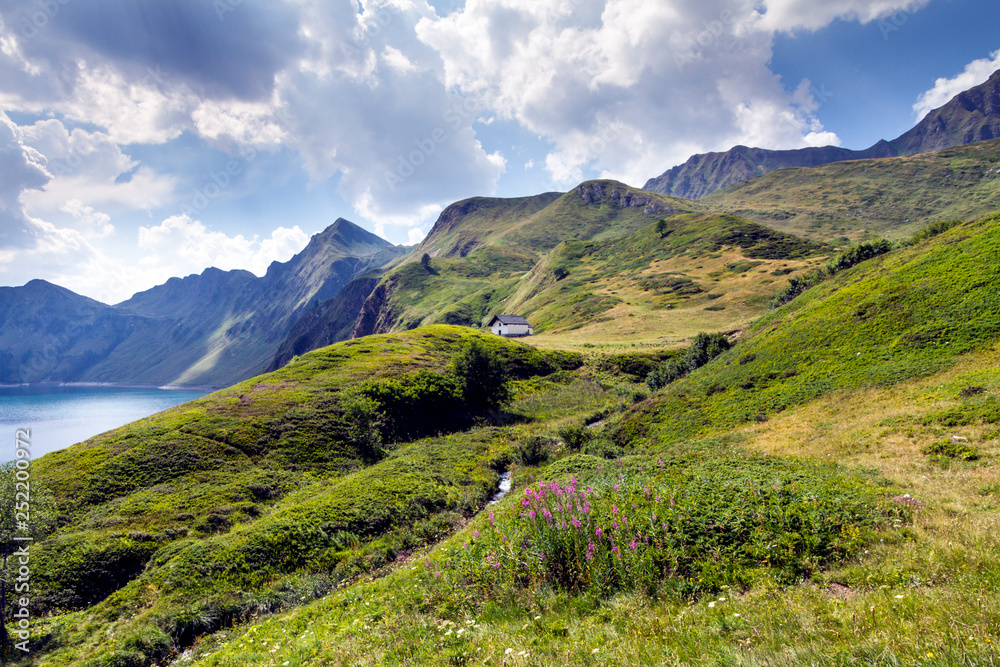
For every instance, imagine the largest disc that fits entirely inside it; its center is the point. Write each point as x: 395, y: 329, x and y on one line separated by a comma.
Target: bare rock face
x: 598, y: 192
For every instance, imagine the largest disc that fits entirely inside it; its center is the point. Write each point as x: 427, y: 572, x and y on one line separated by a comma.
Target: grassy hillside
x: 824, y: 492
x: 209, y: 512
x: 888, y: 197
x: 890, y: 369
x: 657, y: 285
x: 594, y: 210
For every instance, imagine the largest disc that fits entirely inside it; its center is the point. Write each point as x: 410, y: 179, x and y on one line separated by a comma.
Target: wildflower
x: 616, y: 487
x: 614, y: 526
x: 614, y: 509
x: 632, y: 545
x: 491, y: 519
x: 598, y: 533
x: 711, y: 604
x: 508, y: 651
x: 598, y: 467
x: 531, y: 514
x: 576, y: 523
x: 476, y: 534
x: 595, y: 651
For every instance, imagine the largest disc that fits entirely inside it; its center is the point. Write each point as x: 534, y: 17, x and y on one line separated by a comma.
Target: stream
x: 504, y: 488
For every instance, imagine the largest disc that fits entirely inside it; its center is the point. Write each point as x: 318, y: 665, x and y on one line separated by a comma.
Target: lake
x: 59, y: 416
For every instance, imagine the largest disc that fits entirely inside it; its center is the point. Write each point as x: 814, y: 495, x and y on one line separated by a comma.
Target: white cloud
x: 975, y: 73
x: 415, y: 236
x: 180, y: 246
x: 791, y: 15
x: 630, y: 87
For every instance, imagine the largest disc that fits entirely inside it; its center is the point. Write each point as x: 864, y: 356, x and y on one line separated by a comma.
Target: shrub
x: 951, y: 450
x: 935, y: 228
x: 482, y: 376
x: 692, y: 529
x: 859, y: 253
x: 703, y: 349
x: 533, y: 451
x: 575, y: 437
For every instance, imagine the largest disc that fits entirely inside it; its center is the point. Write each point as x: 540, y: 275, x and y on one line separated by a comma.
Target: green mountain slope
x: 892, y: 197
x: 239, y: 525
x: 593, y: 210
x: 305, y: 472
x: 651, y: 285
x: 905, y: 315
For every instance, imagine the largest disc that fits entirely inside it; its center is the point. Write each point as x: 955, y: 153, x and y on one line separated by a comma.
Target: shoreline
x: 109, y: 385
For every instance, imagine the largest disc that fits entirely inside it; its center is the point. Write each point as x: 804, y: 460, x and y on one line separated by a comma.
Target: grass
x: 798, y: 518
x: 891, y: 197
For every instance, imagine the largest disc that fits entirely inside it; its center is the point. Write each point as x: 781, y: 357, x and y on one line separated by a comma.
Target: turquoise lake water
x: 59, y: 416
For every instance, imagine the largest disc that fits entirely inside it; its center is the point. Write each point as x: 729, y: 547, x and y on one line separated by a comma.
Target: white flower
x: 595, y: 651
x: 899, y: 597
x: 712, y: 603
x: 508, y: 651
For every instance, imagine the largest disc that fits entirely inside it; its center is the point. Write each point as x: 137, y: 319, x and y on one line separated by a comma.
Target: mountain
x: 478, y: 248
x: 892, y: 197
x: 48, y: 332
x: 210, y: 329
x: 833, y: 469
x: 971, y: 116
x: 598, y: 263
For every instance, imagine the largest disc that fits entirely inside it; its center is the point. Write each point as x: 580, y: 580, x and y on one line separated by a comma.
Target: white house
x: 511, y: 326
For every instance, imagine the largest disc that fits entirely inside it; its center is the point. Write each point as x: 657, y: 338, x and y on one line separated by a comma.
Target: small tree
x: 661, y: 228
x: 425, y: 262
x: 482, y: 374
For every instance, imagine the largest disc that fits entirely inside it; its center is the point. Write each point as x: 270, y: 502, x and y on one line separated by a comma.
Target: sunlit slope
x: 907, y: 314
x: 659, y: 284
x: 891, y: 197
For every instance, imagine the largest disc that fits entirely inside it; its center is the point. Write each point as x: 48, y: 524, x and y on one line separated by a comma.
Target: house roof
x: 509, y: 319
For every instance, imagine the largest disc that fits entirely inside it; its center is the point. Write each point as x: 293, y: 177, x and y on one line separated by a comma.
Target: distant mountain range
x: 490, y: 255
x: 211, y: 329
x: 971, y: 116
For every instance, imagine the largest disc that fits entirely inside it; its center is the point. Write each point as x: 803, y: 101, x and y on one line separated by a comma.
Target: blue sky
x: 141, y: 140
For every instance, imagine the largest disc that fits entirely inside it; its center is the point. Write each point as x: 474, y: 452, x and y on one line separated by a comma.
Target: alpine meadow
x: 756, y: 423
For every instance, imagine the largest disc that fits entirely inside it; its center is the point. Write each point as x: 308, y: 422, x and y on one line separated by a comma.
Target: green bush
x: 951, y: 450
x: 482, y: 376
x: 686, y: 528
x: 703, y: 349
x: 575, y: 437
x: 533, y: 451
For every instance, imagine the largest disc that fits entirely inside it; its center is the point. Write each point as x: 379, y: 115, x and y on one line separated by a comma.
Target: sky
x: 141, y: 139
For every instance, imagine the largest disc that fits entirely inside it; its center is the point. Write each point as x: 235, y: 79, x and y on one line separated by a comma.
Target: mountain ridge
x: 971, y: 116
x: 208, y: 329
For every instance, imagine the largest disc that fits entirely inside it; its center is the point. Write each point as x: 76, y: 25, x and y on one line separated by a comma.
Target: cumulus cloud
x: 180, y: 246
x: 21, y: 169
x: 630, y: 87
x: 975, y: 73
